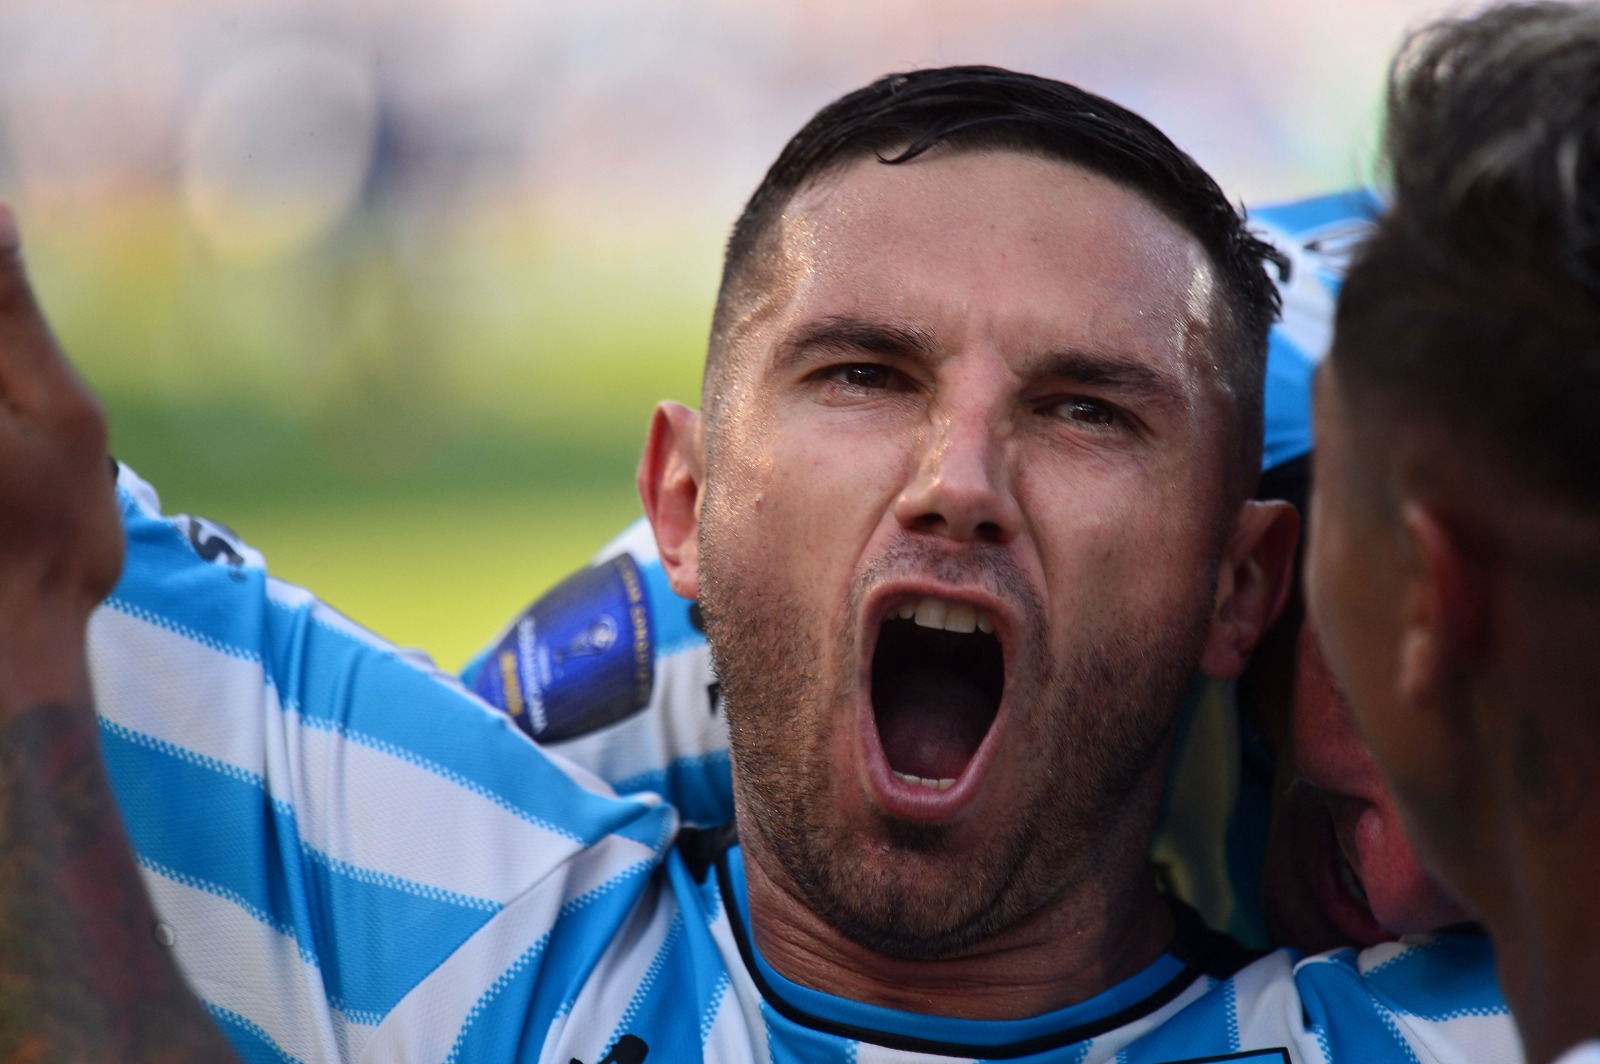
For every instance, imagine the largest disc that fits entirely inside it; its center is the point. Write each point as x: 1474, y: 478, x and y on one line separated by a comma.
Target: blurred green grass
x: 434, y: 550
x: 427, y: 443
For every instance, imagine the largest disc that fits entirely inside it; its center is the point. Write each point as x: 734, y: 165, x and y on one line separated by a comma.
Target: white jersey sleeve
x: 339, y: 841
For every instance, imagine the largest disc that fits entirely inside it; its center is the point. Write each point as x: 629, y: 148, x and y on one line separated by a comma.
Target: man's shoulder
x: 1582, y: 1053
x: 1430, y: 999
x: 1433, y: 975
x: 298, y: 787
x: 1436, y: 995
x: 199, y: 602
x: 198, y: 622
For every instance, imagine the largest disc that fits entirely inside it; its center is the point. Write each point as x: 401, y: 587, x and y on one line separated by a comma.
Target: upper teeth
x: 946, y: 616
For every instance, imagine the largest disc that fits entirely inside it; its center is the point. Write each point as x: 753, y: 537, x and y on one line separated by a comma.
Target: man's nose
x: 961, y: 487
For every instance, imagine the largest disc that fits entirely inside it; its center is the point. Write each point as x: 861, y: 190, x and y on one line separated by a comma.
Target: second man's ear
x: 671, y: 486
x: 1442, y: 611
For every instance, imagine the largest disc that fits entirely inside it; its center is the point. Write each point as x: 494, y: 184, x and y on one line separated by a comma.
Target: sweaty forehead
x: 995, y: 242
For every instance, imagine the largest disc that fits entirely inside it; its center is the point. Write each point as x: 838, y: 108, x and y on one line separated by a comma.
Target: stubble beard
x: 905, y: 889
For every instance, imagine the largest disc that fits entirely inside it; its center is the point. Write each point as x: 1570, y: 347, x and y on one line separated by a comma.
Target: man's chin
x: 909, y: 898
x: 911, y: 925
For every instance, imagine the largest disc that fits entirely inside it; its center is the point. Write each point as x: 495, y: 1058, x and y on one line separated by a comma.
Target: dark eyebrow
x: 876, y: 337
x: 1086, y: 367
x: 1113, y: 372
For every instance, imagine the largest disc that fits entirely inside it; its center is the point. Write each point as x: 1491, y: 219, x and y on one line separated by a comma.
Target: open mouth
x: 938, y: 676
x: 1348, y: 879
x: 1342, y: 895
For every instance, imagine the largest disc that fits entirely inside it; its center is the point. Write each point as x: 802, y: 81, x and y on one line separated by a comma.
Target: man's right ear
x: 671, y: 485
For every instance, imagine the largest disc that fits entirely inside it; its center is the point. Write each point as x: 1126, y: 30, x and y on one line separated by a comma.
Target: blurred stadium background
x: 391, y: 288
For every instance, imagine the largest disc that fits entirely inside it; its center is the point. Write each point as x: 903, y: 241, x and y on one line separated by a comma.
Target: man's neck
x: 1547, y: 940
x: 1094, y: 936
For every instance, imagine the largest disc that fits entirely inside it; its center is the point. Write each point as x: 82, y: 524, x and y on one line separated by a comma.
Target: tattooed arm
x: 83, y: 976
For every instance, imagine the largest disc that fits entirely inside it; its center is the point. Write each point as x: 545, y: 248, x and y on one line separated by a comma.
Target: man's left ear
x: 1441, y: 623
x: 672, y: 487
x: 1253, y: 583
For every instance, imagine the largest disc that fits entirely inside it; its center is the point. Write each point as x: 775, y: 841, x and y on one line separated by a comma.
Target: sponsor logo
x: 214, y: 542
x: 580, y: 658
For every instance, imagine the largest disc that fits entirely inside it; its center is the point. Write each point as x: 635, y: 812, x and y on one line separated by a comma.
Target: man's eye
x: 863, y: 375
x: 1089, y: 412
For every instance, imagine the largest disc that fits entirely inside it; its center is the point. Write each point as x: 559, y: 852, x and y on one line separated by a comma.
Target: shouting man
x: 966, y: 508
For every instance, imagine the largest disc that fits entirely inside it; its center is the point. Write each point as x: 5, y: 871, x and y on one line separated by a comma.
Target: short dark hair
x: 1474, y: 307
x: 976, y: 108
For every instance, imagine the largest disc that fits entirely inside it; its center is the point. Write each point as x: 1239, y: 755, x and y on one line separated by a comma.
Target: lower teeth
x: 932, y: 785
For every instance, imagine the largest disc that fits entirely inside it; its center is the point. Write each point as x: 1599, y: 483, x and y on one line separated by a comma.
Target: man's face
x: 1340, y: 867
x: 1355, y: 583
x: 958, y: 550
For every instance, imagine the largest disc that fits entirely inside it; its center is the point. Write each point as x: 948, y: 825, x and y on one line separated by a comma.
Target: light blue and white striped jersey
x: 584, y: 695
x: 358, y: 860
x: 611, y: 668
x: 1318, y: 236
x: 1582, y: 1053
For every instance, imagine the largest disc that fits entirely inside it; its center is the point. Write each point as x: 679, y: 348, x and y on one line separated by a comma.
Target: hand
x: 60, y: 532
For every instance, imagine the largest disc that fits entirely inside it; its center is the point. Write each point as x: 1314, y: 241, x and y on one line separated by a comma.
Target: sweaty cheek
x: 1123, y: 552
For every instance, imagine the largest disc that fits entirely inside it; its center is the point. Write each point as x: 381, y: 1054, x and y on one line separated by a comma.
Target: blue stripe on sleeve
x: 652, y: 1010
x: 214, y: 831
x: 1452, y: 976
x: 1349, y: 1022
x: 687, y: 982
x: 340, y: 682
x: 669, y: 613
x: 379, y: 940
x: 701, y: 786
x: 713, y: 1005
x: 499, y: 1033
x: 219, y: 833
x: 250, y: 1042
x: 576, y: 945
x: 546, y: 980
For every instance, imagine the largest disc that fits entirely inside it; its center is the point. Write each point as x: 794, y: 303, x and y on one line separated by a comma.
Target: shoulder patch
x: 579, y: 658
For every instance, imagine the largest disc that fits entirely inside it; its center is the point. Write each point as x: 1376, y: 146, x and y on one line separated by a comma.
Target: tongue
x: 930, y: 723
